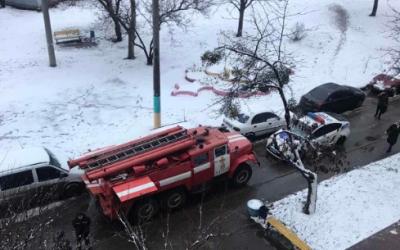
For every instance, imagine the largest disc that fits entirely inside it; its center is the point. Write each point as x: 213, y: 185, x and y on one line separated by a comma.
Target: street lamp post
x: 156, y: 64
x: 49, y: 37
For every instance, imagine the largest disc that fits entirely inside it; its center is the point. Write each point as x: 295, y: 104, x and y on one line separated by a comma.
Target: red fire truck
x: 137, y: 177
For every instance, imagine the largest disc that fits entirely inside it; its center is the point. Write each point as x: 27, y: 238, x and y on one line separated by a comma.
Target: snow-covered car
x: 313, y: 129
x: 253, y: 125
x: 34, y: 173
x: 383, y: 82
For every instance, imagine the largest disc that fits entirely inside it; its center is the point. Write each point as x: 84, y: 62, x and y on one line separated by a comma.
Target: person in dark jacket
x: 263, y: 212
x: 81, y: 224
x: 383, y: 102
x: 392, y: 135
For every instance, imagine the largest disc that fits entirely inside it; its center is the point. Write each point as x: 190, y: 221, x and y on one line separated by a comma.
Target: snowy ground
x: 350, y: 207
x: 95, y: 98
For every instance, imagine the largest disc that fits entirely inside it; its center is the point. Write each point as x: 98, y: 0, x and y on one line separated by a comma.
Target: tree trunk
x: 311, y: 203
x: 375, y: 8
x: 131, y: 32
x: 149, y: 60
x: 2, y: 3
x: 241, y: 18
x: 117, y: 28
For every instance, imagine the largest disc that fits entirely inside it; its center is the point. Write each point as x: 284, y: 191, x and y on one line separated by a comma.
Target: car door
x: 221, y: 160
x: 202, y: 170
x: 16, y: 190
x: 259, y: 124
x: 350, y: 100
x: 326, y: 134
x: 336, y: 102
x: 51, y: 181
x: 273, y: 123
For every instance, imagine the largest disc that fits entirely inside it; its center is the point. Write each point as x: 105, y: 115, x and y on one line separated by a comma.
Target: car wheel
x: 341, y: 141
x: 73, y: 189
x: 143, y: 211
x: 242, y: 175
x: 251, y: 136
x: 174, y: 199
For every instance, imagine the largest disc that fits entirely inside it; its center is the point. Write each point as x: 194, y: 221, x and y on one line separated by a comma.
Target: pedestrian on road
x: 383, y: 102
x: 392, y: 135
x: 81, y: 224
x: 263, y: 212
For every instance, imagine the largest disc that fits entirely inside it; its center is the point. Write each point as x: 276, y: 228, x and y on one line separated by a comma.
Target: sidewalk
x: 388, y: 239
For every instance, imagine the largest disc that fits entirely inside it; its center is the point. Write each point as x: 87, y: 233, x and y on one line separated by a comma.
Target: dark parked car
x: 332, y: 97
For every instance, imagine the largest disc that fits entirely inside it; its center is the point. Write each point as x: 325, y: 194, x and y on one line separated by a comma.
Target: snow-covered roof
x: 18, y: 158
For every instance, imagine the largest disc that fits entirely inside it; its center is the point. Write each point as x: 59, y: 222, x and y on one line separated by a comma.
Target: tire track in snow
x: 341, y: 20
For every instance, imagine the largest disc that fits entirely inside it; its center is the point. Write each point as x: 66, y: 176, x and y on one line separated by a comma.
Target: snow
x: 350, y: 207
x: 23, y: 157
x: 94, y: 98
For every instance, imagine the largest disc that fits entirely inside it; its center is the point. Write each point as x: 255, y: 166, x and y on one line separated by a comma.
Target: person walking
x: 392, y: 135
x: 383, y: 102
x: 81, y: 224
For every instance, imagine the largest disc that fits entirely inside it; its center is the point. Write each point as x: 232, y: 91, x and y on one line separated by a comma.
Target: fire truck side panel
x: 174, y: 176
x: 135, y: 188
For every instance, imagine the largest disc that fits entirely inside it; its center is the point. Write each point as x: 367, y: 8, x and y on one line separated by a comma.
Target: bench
x: 67, y: 36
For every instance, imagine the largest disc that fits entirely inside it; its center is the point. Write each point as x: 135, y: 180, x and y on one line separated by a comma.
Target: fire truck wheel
x: 242, y: 175
x: 174, y: 199
x: 144, y: 210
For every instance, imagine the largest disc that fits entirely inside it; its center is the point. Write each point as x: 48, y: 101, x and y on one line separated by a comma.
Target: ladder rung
x: 136, y: 149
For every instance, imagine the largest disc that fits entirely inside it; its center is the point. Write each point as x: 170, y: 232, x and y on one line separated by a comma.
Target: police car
x: 255, y: 124
x: 320, y: 128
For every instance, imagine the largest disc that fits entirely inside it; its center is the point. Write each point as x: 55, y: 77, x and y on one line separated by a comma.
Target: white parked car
x: 252, y: 125
x: 29, y: 174
x: 316, y: 128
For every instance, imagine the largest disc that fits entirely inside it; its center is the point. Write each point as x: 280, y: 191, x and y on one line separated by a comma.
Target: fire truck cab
x: 138, y: 177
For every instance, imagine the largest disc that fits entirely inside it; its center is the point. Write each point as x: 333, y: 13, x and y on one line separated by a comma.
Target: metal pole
x: 49, y: 36
x: 156, y: 64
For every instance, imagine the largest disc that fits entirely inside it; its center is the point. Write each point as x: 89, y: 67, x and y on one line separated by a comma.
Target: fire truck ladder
x: 137, y: 149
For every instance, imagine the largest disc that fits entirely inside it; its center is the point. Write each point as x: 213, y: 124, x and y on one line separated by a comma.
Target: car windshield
x: 53, y: 159
x: 301, y: 128
x: 242, y: 118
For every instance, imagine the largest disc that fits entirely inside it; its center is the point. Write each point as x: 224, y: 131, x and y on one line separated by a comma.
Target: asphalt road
x: 218, y: 219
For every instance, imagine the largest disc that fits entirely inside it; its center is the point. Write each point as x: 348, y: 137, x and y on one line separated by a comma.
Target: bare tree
x: 241, y: 6
x: 374, y: 8
x: 131, y: 30
x: 171, y: 12
x: 125, y: 15
x: 395, y: 51
x: 113, y: 10
x: 259, y: 59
